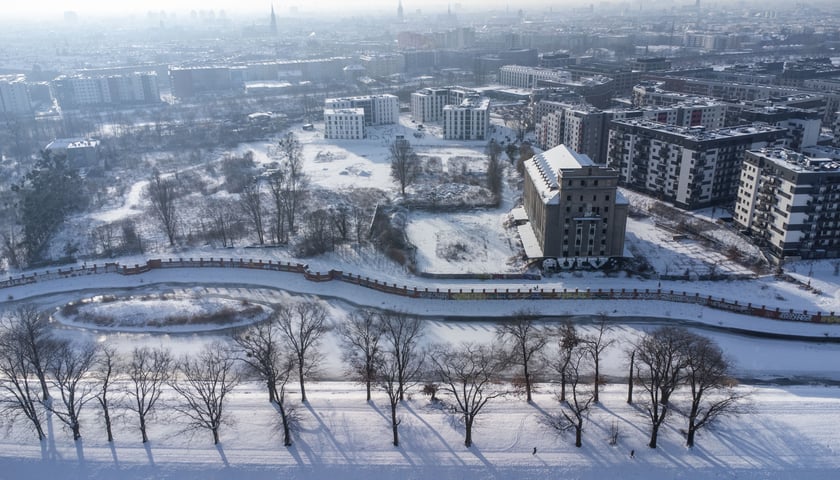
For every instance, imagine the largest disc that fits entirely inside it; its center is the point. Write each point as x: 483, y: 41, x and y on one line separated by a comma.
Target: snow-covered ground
x: 789, y: 434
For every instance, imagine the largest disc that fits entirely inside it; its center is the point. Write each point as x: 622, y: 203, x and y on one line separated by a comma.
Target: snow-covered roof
x: 529, y: 241
x: 546, y: 168
x: 67, y: 143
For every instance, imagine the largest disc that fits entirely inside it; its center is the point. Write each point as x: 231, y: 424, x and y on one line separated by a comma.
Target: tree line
x: 670, y: 370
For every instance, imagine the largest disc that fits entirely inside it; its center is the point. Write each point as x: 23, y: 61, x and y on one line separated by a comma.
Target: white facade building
x: 468, y: 121
x: 378, y: 109
x: 427, y: 104
x: 14, y: 95
x: 344, y: 123
x: 790, y: 203
x: 527, y: 77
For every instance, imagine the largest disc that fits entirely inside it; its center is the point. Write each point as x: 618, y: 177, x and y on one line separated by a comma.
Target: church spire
x: 273, y: 21
x: 400, y: 11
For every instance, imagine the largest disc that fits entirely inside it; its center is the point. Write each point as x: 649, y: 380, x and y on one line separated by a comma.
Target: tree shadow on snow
x: 114, y: 454
x: 424, y: 434
x: 323, y: 433
x: 148, y: 447
x: 221, y: 451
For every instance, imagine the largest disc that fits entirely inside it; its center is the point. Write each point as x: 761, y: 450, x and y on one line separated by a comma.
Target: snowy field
x: 342, y: 437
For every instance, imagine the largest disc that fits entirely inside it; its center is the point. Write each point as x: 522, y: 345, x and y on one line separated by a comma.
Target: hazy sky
x: 88, y: 7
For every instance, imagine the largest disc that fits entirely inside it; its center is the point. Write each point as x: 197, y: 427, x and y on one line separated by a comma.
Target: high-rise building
x: 691, y: 167
x: 585, y: 129
x: 790, y: 203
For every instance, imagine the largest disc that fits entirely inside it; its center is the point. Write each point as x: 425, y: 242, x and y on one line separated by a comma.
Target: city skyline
x: 93, y: 7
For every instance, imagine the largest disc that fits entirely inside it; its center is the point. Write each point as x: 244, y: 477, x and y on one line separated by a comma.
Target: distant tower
x: 273, y: 21
x: 400, y: 11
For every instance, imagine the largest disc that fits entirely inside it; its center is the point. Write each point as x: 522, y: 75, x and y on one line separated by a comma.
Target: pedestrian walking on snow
x: 535, y: 451
x: 632, y: 454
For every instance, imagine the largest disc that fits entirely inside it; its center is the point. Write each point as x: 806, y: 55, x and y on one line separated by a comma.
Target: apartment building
x: 378, y: 109
x: 14, y: 95
x: 692, y: 167
x: 470, y: 120
x: 573, y: 207
x: 427, y: 104
x: 529, y: 77
x: 803, y: 126
x: 585, y: 129
x: 344, y: 123
x: 128, y: 89
x: 790, y: 203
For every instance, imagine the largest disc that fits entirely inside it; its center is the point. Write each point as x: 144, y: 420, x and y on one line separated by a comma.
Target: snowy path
x: 789, y: 434
x: 130, y: 205
x: 447, y: 308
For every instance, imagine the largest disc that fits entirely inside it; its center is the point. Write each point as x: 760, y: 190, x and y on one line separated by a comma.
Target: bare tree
x: 222, y: 220
x: 304, y: 325
x: 30, y: 330
x: 519, y: 119
x: 470, y: 374
x: 387, y: 380
x: 148, y: 371
x: 523, y: 341
x: 204, y: 382
x: 405, y: 164
x: 318, y: 234
x: 360, y: 337
x: 252, y: 205
x: 265, y: 354
x: 402, y: 335
x: 712, y: 389
x: 67, y: 370
x: 630, y: 376
x: 595, y: 346
x: 276, y: 181
x: 104, y: 370
x: 294, y: 180
x: 16, y: 373
x: 525, y: 153
x: 576, y: 409
x: 495, y: 168
x: 162, y: 194
x: 660, y: 366
x: 568, y: 341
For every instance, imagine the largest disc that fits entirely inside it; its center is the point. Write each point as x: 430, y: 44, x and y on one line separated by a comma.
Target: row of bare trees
x: 662, y: 362
x: 385, y: 350
x: 42, y: 375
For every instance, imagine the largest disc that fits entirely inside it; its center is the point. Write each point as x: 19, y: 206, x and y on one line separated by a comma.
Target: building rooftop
x: 346, y: 111
x: 68, y: 143
x: 700, y: 133
x: 547, y: 169
x: 798, y: 162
